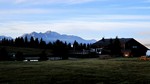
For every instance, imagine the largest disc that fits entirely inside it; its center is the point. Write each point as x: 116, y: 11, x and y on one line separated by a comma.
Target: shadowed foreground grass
x: 81, y: 71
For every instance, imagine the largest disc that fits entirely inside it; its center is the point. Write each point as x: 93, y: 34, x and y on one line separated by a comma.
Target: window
x: 134, y: 46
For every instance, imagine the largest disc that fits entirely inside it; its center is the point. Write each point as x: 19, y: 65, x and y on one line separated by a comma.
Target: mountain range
x: 1, y: 37
x: 51, y: 36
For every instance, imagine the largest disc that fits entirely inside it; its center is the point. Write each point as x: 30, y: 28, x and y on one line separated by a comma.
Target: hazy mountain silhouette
x: 51, y: 36
x: 6, y: 37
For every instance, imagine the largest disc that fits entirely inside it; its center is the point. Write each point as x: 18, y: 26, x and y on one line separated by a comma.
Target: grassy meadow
x: 77, y: 71
x: 26, y: 51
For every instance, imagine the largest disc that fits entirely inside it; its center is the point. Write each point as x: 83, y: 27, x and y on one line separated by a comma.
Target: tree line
x: 40, y: 43
x: 59, y: 48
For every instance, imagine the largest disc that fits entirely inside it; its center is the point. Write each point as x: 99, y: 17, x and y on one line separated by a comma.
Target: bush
x: 4, y: 55
x: 19, y: 56
x: 43, y: 56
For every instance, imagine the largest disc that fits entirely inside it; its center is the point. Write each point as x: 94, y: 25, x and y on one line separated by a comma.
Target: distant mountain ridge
x: 51, y: 36
x: 6, y: 37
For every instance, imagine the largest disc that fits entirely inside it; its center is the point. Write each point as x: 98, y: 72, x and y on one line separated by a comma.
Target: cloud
x: 129, y: 18
x: 23, y: 11
x: 144, y: 41
x: 138, y: 7
x: 49, y: 1
x: 80, y: 28
x: 20, y: 1
x: 31, y: 11
x: 146, y: 0
x: 144, y: 33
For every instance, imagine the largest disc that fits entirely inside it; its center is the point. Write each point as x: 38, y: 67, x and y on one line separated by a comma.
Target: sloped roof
x: 105, y: 42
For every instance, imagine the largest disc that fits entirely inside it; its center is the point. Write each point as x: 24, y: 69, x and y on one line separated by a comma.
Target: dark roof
x: 105, y: 42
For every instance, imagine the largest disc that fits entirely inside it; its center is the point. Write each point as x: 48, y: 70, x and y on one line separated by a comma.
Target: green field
x: 79, y: 71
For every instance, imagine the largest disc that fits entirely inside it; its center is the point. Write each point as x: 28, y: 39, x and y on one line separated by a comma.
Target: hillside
x: 25, y: 51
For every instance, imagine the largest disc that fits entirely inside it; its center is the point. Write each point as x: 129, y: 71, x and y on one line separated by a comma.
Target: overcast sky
x: 89, y: 19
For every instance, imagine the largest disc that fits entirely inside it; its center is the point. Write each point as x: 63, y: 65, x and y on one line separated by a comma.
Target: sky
x: 89, y: 19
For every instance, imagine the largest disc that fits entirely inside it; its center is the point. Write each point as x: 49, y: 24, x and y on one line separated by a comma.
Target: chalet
x: 128, y: 46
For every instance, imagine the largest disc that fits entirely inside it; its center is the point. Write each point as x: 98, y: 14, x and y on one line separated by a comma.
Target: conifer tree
x: 60, y: 49
x: 32, y: 42
x: 42, y: 43
x: 116, y: 47
x: 4, y: 55
x: 26, y: 43
x: 75, y: 45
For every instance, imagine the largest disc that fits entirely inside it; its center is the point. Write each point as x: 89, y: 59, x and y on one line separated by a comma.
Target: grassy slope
x: 82, y: 71
x: 29, y: 51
